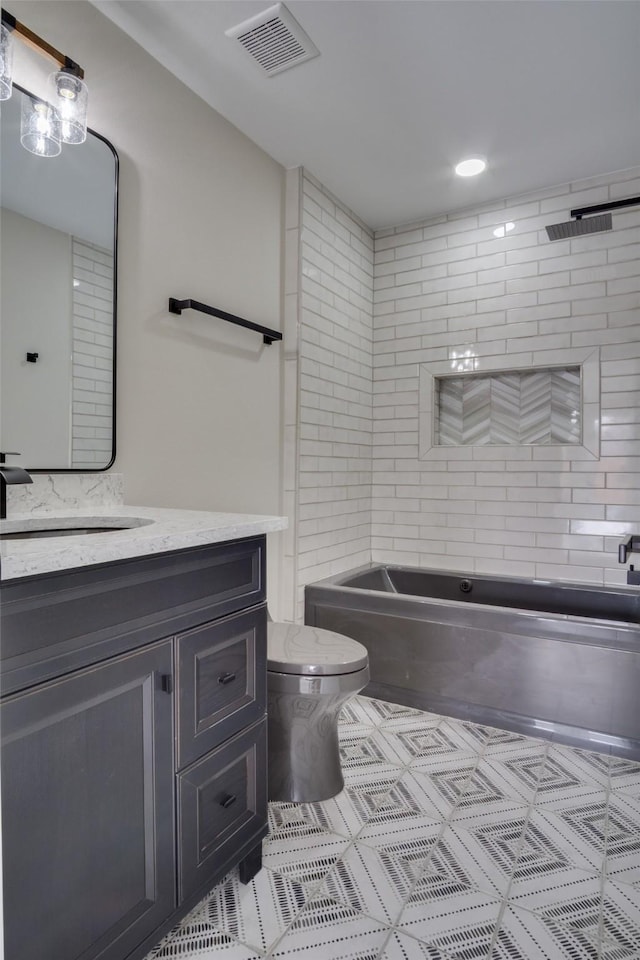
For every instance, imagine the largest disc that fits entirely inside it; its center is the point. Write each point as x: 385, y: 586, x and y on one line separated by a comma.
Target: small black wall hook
x: 32, y: 357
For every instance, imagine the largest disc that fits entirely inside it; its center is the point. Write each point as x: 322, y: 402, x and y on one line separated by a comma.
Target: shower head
x: 576, y: 228
x: 593, y: 224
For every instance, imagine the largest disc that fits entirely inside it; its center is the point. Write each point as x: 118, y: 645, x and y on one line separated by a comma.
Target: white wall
x: 449, y: 286
x: 200, y: 215
x: 35, y: 316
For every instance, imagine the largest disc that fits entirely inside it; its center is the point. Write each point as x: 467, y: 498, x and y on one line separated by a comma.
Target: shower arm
x: 581, y: 212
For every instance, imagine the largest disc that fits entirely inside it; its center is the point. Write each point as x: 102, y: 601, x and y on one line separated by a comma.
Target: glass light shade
x: 70, y: 96
x: 6, y: 63
x: 40, y: 128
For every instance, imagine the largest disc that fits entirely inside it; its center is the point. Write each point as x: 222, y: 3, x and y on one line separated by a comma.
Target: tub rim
x: 623, y: 634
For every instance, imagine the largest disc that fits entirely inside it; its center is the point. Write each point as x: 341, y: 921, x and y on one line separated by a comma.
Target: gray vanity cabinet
x: 133, y: 724
x: 87, y: 773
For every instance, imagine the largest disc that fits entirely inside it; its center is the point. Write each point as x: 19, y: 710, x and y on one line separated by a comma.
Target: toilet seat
x: 303, y: 650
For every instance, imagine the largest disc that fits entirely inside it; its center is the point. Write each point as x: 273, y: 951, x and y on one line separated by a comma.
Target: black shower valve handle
x: 630, y: 544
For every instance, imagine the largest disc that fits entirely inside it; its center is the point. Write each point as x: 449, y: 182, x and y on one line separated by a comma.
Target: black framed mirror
x: 59, y: 228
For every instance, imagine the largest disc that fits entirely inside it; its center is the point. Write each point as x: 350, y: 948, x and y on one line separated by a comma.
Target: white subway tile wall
x: 92, y: 391
x: 363, y: 313
x: 331, y: 277
x: 508, y: 301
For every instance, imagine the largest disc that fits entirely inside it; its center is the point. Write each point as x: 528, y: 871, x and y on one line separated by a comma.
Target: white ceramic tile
x: 371, y: 882
x: 417, y: 795
x: 621, y: 918
x: 305, y: 859
x: 421, y: 745
x: 333, y: 931
x: 577, y: 831
x: 623, y: 839
x: 449, y: 915
x: 369, y: 748
x: 586, y: 766
x: 196, y: 938
x: 625, y: 776
x: 514, y: 773
x: 524, y: 934
x: 549, y: 885
x: 410, y: 838
x: 401, y: 946
x: 256, y: 913
x: 482, y: 857
x: 483, y: 802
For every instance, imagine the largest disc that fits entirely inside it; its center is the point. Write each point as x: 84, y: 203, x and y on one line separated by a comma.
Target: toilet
x: 311, y: 672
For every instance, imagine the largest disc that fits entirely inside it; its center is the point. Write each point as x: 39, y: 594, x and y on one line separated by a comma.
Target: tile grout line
x: 423, y: 870
x: 604, y: 872
x: 505, y: 900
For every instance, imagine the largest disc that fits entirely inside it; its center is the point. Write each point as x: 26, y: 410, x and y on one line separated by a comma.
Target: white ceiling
x: 547, y: 90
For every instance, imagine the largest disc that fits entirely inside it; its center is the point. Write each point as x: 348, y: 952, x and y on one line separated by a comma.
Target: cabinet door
x: 87, y: 811
x: 221, y: 681
x: 222, y: 805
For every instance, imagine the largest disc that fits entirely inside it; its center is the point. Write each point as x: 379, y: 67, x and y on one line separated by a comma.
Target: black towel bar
x: 177, y: 306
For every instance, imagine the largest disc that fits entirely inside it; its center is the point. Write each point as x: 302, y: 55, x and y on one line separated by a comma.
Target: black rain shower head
x: 576, y: 228
x: 593, y: 224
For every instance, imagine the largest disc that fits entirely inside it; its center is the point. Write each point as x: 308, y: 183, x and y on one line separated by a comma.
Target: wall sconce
x: 46, y: 124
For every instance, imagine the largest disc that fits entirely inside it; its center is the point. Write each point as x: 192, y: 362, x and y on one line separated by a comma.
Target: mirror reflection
x: 57, y: 301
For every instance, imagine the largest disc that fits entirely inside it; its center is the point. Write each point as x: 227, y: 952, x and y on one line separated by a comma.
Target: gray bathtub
x: 540, y: 657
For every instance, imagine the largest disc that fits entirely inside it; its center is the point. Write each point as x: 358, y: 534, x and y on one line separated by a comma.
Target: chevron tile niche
x: 533, y: 407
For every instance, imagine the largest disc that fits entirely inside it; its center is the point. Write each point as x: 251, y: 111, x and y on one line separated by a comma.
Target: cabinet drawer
x: 221, y: 681
x: 222, y: 803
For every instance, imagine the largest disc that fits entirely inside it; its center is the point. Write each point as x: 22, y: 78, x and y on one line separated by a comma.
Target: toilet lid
x: 298, y: 649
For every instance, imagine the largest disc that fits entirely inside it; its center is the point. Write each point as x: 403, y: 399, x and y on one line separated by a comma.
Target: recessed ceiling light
x: 471, y: 167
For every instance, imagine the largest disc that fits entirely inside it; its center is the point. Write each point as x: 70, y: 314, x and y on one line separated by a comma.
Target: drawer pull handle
x: 227, y: 678
x: 228, y: 801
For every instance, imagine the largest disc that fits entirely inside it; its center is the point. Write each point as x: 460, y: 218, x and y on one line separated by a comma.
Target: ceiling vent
x: 274, y: 40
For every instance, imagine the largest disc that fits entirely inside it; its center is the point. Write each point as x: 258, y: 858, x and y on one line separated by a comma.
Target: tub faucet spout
x: 9, y: 474
x: 633, y: 576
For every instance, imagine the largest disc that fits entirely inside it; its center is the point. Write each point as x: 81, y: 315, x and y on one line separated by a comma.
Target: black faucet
x: 9, y: 475
x: 630, y: 544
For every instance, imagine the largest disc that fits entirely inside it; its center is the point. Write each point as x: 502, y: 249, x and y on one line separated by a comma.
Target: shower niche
x: 518, y: 407
x: 477, y: 401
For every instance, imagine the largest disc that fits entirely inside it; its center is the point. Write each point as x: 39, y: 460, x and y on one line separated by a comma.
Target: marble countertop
x: 159, y: 531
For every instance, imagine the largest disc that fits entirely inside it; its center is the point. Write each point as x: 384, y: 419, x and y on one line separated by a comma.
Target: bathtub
x: 543, y: 658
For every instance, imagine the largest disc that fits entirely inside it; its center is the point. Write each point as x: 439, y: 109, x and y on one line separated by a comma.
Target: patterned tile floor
x: 450, y: 841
